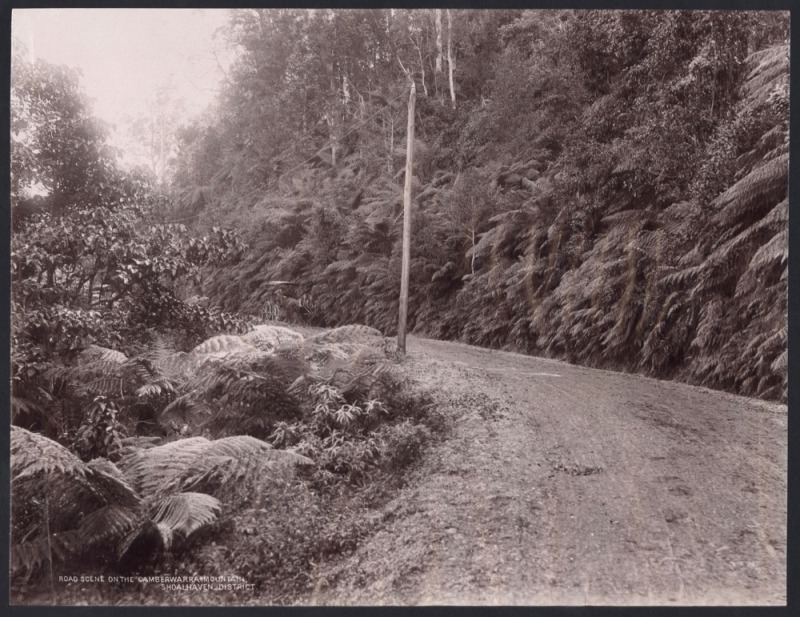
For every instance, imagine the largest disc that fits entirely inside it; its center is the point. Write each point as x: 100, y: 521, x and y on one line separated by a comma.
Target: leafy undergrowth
x: 272, y: 452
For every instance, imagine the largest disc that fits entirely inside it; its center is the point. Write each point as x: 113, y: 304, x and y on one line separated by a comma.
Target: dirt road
x: 566, y: 485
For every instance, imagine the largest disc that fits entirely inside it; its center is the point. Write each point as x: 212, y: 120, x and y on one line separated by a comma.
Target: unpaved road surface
x: 565, y: 485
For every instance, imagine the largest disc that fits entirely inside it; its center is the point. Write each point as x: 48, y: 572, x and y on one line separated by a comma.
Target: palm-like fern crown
x: 167, y: 488
x: 86, y: 503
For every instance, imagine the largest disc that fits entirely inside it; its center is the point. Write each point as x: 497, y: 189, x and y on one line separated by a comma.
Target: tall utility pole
x: 401, y: 326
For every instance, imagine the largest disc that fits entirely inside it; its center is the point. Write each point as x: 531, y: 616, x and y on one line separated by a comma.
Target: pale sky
x: 125, y: 55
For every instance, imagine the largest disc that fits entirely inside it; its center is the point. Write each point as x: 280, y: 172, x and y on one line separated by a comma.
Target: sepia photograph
x: 398, y: 307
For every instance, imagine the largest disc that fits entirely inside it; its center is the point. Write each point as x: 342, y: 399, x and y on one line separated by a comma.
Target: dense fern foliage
x: 615, y: 194
x: 64, y: 509
x: 172, y: 443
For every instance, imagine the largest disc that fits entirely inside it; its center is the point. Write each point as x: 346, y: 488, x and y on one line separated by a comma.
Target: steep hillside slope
x: 610, y: 188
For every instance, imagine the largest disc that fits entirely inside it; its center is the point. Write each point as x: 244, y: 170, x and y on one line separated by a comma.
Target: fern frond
x: 774, y: 251
x: 128, y: 445
x: 755, y: 233
x: 242, y: 447
x: 251, y: 405
x: 108, y: 524
x: 446, y: 272
x: 32, y: 454
x: 104, y: 372
x: 108, y: 484
x: 623, y: 217
x: 765, y: 186
x: 28, y: 556
x: 223, y: 342
x: 170, y: 364
x: 240, y: 394
x: 71, y: 499
x: 96, y: 353
x: 777, y: 218
x: 207, y: 474
x: 284, y: 369
x: 345, y: 268
x: 691, y: 258
x: 162, y: 468
x: 327, y: 358
x: 145, y: 538
x: 22, y: 406
x: 104, y: 386
x: 147, y: 470
x: 346, y: 334
x: 161, y: 385
x: 185, y: 513
x: 267, y: 338
x: 207, y: 363
x: 769, y: 66
x: 781, y: 363
x: 180, y: 411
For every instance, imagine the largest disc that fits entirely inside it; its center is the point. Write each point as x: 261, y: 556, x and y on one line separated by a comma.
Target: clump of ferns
x: 101, y: 397
x: 337, y: 433
x: 226, y: 399
x: 126, y: 514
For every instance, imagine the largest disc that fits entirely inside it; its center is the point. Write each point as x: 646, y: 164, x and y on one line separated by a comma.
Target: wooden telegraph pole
x: 401, y: 326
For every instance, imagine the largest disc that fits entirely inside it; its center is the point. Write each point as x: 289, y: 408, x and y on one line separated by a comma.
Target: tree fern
x: 238, y: 461
x: 88, y: 503
x: 155, y: 488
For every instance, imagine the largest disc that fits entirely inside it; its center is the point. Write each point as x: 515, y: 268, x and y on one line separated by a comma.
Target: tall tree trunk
x: 332, y: 132
x: 438, y: 68
x: 450, y: 58
x: 422, y: 69
x: 390, y: 145
x: 438, y: 22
